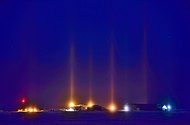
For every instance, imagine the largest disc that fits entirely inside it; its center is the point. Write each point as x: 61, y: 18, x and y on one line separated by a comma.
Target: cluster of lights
x: 167, y: 107
x: 30, y: 110
x: 71, y: 107
x: 72, y: 104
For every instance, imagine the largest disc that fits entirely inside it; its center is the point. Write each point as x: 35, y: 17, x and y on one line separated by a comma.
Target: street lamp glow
x: 126, y: 108
x: 90, y: 104
x: 112, y: 107
x: 164, y: 108
x: 71, y: 104
x: 169, y: 107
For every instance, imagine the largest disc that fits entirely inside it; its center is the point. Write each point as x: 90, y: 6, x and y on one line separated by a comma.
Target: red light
x: 23, y: 100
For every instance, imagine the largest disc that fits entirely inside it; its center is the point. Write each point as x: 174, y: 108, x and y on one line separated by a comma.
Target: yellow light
x: 90, y: 104
x: 20, y: 110
x: 112, y: 107
x: 29, y: 110
x: 35, y: 109
x: 71, y: 104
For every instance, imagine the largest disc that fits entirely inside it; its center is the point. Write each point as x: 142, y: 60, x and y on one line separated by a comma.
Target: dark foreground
x: 96, y: 118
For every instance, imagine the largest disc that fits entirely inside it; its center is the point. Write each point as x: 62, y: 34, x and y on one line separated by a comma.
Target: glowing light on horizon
x: 164, y: 107
x: 31, y: 109
x: 71, y: 104
x: 126, y: 108
x: 70, y: 110
x: 90, y: 104
x: 112, y: 107
x: 167, y: 107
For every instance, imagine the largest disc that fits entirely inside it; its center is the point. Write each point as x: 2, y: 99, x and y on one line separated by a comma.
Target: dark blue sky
x: 150, y: 40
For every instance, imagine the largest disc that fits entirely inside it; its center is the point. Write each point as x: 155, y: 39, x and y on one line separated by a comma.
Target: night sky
x: 151, y: 51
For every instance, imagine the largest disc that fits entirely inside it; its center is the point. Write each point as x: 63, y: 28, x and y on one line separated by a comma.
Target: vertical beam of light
x: 112, y: 79
x: 90, y: 101
x: 145, y: 57
x: 72, y: 77
x: 112, y: 106
x: 145, y: 64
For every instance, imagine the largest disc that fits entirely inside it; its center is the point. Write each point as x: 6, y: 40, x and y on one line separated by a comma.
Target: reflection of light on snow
x: 70, y: 110
x: 126, y: 108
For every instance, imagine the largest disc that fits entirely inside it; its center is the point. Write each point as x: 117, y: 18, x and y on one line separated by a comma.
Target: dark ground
x: 96, y: 118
